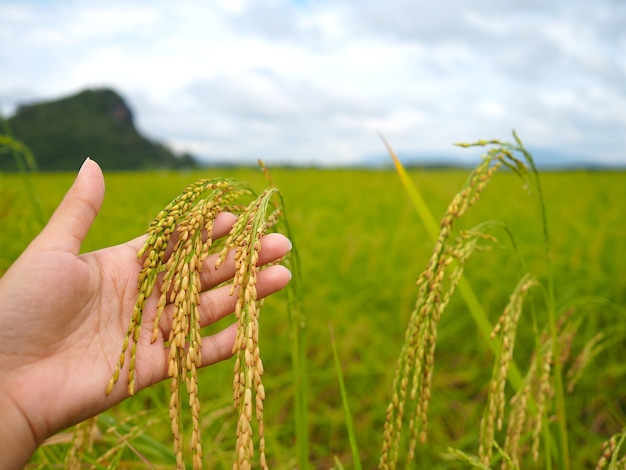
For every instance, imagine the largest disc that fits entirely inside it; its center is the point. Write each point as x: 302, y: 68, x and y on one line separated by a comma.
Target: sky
x: 315, y: 81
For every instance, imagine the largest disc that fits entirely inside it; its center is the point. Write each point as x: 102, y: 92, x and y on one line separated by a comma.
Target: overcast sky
x: 314, y: 80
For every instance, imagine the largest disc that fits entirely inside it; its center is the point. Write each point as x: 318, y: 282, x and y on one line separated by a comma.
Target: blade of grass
x: 416, y: 198
x: 300, y: 380
x: 356, y: 459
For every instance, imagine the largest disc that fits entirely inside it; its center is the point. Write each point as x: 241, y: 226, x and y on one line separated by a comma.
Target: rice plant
x: 538, y: 398
x: 187, y: 223
x: 413, y: 378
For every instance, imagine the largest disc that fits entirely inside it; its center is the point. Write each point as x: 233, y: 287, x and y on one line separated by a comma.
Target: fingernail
x: 83, y: 165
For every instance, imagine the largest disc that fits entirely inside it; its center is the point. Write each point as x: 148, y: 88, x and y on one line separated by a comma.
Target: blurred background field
x: 361, y: 247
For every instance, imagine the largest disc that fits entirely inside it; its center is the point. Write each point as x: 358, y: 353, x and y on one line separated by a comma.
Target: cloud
x: 313, y: 81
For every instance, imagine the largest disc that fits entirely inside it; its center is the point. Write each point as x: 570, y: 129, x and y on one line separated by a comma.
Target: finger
x: 71, y: 221
x: 221, y: 226
x: 273, y: 247
x: 218, y: 303
x: 219, y: 346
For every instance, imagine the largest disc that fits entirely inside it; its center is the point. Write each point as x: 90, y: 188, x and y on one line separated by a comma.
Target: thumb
x: 71, y: 221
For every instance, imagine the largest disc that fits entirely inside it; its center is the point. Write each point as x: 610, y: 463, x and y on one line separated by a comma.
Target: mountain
x: 94, y: 123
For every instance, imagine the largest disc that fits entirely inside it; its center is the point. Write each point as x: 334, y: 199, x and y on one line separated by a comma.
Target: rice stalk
x: 187, y: 223
x: 471, y: 460
x: 248, y: 389
x: 527, y: 170
x: 469, y: 296
x: 125, y: 435
x: 82, y: 441
x: 610, y: 453
x: 531, y: 408
x: 505, y: 328
x: 592, y: 348
x: 539, y: 390
x: 413, y: 377
x: 24, y: 159
x: 25, y: 163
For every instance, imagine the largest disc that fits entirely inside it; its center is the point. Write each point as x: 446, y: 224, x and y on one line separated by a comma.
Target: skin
x: 63, y: 317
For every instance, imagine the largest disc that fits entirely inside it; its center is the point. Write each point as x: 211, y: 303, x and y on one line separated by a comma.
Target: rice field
x: 361, y: 248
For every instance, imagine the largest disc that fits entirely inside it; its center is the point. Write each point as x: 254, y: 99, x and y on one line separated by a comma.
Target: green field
x: 361, y: 247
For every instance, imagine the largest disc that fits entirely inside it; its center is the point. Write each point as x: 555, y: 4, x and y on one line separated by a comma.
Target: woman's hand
x: 63, y: 317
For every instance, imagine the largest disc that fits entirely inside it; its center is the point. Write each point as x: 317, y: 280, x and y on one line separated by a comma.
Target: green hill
x: 94, y: 123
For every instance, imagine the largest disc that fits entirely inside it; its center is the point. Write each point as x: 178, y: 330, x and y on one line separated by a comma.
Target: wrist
x: 16, y: 435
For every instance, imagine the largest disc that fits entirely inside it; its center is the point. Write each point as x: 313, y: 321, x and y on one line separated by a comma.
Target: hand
x: 63, y: 318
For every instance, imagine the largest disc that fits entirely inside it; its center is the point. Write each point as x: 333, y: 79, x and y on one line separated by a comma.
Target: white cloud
x: 314, y: 81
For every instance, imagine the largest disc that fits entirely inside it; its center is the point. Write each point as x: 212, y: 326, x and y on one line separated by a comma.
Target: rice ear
x: 190, y: 216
